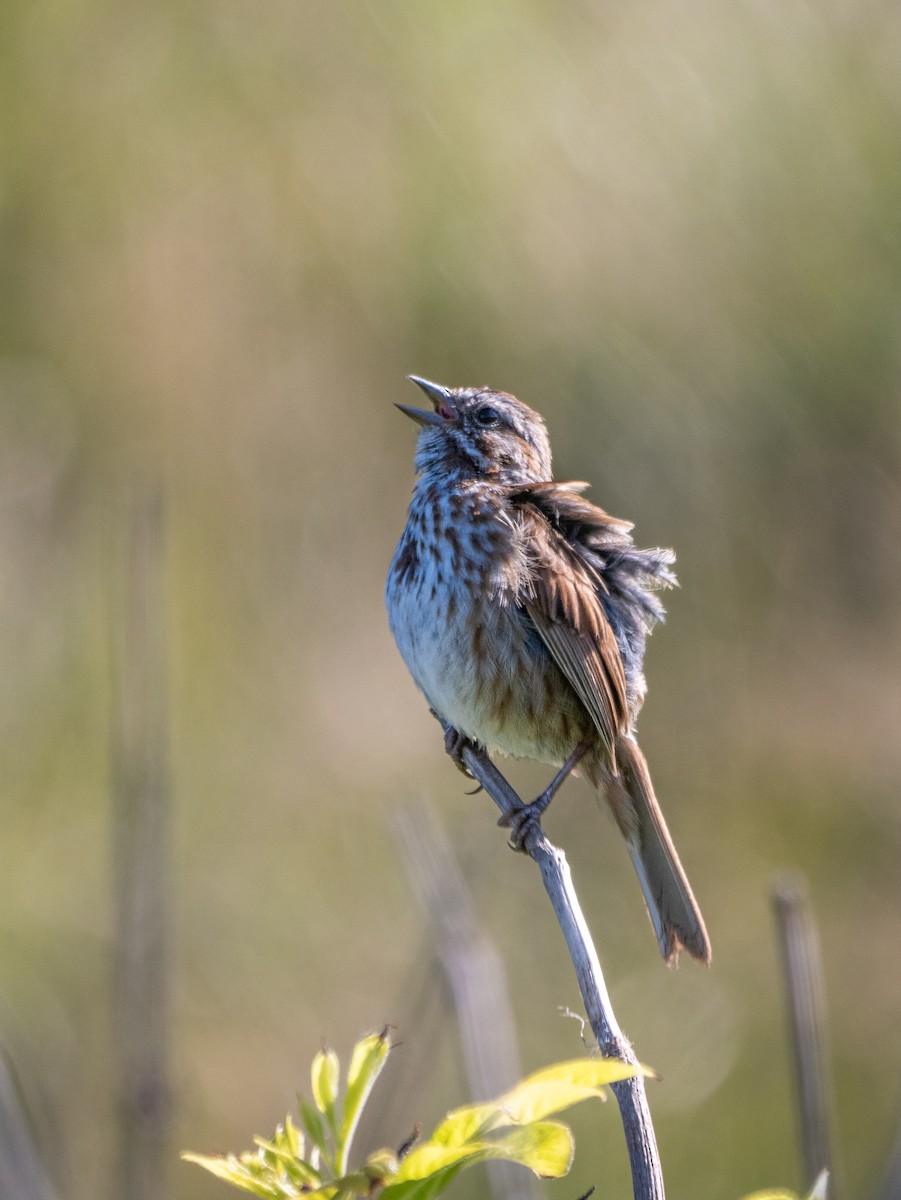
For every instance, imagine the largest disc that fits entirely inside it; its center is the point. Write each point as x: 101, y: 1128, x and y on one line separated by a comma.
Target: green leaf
x: 284, y: 1159
x: 539, y: 1095
x: 819, y: 1191
x: 429, y: 1158
x: 289, y: 1138
x: 238, y: 1173
x: 314, y: 1125
x: 366, y: 1063
x: 355, y: 1184
x: 378, y: 1167
x: 545, y: 1147
x: 770, y: 1194
x: 324, y: 1075
x: 590, y: 1072
x: 428, y: 1188
x: 381, y: 1165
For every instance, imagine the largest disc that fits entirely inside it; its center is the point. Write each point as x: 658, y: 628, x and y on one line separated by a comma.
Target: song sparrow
x: 521, y: 611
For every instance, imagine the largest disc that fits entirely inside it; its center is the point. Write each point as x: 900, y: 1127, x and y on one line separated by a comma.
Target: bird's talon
x: 455, y: 743
x: 521, y: 822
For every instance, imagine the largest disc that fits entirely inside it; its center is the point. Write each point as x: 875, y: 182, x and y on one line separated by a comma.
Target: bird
x: 521, y: 610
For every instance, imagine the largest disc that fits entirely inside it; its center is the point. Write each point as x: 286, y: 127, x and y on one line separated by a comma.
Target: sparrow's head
x: 479, y: 434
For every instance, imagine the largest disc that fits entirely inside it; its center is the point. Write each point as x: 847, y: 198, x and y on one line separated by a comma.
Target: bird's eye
x: 487, y: 416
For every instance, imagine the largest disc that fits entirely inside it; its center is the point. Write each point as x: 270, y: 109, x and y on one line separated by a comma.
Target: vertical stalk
x: 141, y: 868
x: 804, y: 992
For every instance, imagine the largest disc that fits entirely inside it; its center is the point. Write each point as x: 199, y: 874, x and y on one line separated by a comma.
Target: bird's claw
x: 455, y: 743
x: 522, y: 822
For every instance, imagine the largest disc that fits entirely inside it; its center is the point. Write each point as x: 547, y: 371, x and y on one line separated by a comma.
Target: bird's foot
x: 523, y: 820
x: 455, y: 743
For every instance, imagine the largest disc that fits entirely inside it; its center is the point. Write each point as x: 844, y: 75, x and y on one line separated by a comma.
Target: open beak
x: 437, y: 394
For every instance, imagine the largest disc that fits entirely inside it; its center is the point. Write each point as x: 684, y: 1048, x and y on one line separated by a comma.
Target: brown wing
x: 563, y: 602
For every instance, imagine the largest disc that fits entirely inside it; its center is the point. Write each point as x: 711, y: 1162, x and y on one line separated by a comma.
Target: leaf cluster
x: 311, y: 1159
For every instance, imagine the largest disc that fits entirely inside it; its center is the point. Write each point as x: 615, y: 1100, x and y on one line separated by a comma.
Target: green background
x: 228, y: 231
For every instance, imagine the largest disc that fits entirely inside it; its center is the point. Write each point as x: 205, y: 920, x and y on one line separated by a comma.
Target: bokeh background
x: 228, y: 233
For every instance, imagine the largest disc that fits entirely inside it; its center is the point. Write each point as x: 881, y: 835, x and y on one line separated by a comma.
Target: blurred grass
x: 227, y: 234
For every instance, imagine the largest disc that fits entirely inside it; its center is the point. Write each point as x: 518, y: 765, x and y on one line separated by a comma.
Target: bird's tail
x: 670, y: 902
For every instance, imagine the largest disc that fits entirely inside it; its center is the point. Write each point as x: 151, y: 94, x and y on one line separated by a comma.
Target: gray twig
x: 641, y: 1143
x: 803, y: 978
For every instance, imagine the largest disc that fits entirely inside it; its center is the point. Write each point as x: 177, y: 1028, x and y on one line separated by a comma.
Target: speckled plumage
x: 522, y: 610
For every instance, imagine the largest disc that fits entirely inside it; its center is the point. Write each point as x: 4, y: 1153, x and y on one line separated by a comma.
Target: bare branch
x: 641, y: 1143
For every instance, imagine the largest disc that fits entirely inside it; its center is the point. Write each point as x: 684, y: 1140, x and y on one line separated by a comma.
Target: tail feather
x: 670, y: 902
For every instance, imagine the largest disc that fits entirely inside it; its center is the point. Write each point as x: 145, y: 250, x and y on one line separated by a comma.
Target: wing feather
x: 563, y: 602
